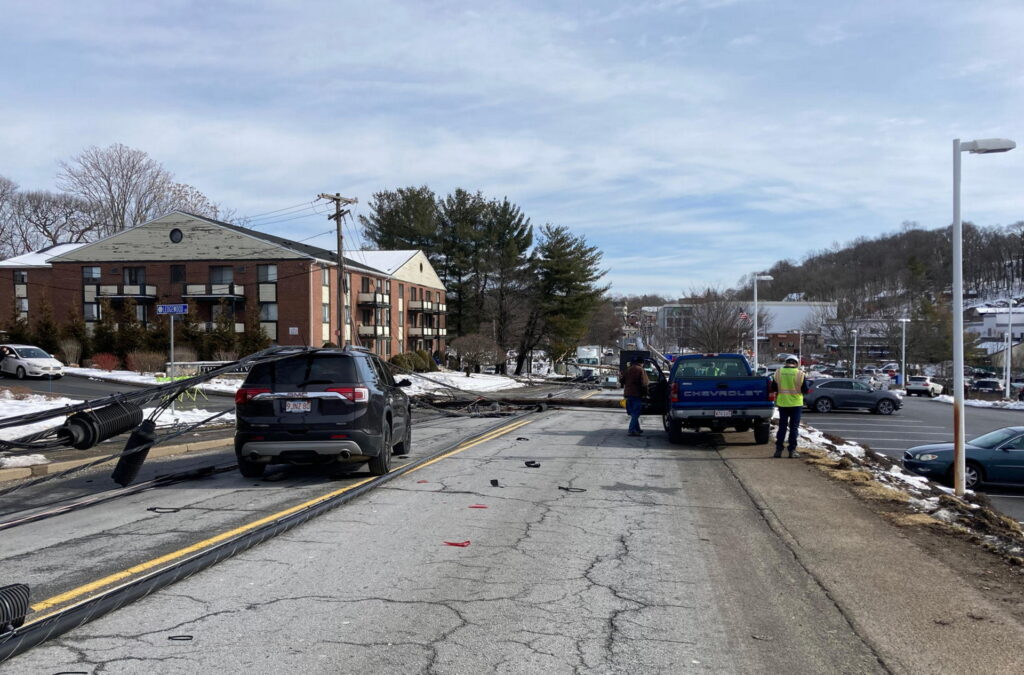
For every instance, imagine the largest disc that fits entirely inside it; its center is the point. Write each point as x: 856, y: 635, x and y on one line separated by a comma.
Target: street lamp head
x: 984, y: 146
x: 764, y: 277
x: 853, y: 332
x: 904, y: 320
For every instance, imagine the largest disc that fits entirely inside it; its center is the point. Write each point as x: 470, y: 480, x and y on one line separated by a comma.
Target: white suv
x: 27, y: 361
x: 923, y: 385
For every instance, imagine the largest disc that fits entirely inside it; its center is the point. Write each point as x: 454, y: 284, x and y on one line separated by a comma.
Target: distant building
x: 394, y: 301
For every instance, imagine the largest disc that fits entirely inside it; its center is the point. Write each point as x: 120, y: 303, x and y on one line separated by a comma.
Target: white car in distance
x: 923, y: 385
x: 23, y: 361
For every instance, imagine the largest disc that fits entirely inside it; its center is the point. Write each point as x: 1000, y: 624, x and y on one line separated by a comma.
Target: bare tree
x: 42, y: 218
x: 125, y: 184
x: 184, y: 197
x: 8, y: 190
x: 716, y: 325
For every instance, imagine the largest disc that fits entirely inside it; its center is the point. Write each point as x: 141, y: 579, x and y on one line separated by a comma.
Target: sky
x: 693, y: 141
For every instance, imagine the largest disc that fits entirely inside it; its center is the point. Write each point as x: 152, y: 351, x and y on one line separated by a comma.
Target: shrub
x: 184, y: 353
x: 71, y: 350
x: 145, y: 362
x: 222, y: 355
x: 402, y: 362
x: 428, y: 363
x: 105, y: 361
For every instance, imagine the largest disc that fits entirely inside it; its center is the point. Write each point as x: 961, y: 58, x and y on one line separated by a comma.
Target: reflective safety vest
x: 790, y: 380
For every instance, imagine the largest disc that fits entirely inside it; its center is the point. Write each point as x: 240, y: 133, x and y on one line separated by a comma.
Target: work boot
x: 794, y: 454
x: 778, y: 453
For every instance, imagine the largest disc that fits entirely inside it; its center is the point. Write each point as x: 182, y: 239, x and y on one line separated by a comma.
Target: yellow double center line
x: 206, y: 543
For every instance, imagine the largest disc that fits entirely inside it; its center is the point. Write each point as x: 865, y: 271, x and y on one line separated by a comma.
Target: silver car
x: 923, y: 385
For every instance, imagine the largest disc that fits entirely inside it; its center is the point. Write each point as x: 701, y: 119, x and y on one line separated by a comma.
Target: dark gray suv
x: 827, y: 395
x: 338, y: 407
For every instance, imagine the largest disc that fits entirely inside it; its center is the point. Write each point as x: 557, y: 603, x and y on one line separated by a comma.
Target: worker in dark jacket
x: 634, y: 388
x: 790, y: 385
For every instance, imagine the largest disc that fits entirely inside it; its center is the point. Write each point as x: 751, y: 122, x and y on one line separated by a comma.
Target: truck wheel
x: 762, y: 434
x: 675, y: 430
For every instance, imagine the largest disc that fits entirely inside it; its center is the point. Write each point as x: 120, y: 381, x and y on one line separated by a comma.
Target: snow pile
x: 978, y: 403
x: 219, y: 384
x: 444, y: 380
x: 22, y: 461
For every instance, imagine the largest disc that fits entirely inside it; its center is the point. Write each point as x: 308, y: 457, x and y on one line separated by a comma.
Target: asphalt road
x: 657, y: 562
x: 922, y: 421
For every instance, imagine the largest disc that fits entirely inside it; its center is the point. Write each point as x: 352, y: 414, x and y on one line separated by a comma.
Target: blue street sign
x: 172, y: 309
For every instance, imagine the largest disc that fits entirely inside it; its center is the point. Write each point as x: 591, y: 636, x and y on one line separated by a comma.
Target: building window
x: 218, y: 310
x: 401, y: 317
x: 22, y: 305
x: 427, y: 296
x: 222, y: 274
x: 367, y: 317
x: 21, y: 277
x: 177, y: 274
x: 325, y: 313
x: 91, y: 274
x: 366, y: 285
x: 91, y: 311
x: 401, y: 290
x: 135, y: 275
x: 412, y: 293
x: 140, y: 313
x: 268, y: 311
x: 265, y: 273
x: 325, y: 276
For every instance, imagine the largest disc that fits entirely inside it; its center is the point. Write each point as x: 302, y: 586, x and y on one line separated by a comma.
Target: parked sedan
x: 923, y: 385
x: 24, y: 361
x: 989, y: 386
x: 827, y: 395
x: 995, y: 457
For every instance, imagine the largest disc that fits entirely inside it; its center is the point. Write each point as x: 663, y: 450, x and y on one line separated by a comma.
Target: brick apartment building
x: 395, y: 301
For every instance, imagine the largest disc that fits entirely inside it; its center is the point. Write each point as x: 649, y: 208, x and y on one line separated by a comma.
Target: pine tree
x: 104, y: 334
x: 45, y: 333
x: 254, y: 339
x: 130, y: 332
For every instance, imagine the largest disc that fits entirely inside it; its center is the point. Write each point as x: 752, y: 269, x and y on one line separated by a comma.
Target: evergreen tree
x: 76, y: 329
x: 511, y: 236
x: 18, y: 329
x: 45, y: 333
x: 131, y: 334
x: 464, y: 249
x: 254, y: 339
x: 403, y: 219
x: 193, y: 333
x: 563, y: 295
x: 104, y: 334
x: 223, y: 341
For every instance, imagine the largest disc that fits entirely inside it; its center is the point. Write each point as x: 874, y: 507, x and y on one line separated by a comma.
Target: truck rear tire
x: 675, y: 430
x: 762, y: 433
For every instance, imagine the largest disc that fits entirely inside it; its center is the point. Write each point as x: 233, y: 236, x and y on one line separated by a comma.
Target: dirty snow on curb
x: 444, y: 379
x: 978, y: 403
x: 219, y: 384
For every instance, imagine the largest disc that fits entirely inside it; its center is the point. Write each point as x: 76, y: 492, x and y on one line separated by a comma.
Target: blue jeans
x: 789, y: 418
x: 634, y: 404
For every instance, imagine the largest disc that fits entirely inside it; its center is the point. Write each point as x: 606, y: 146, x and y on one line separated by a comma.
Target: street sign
x: 172, y: 309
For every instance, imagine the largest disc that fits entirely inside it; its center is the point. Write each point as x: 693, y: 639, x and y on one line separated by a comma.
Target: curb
x: 19, y: 473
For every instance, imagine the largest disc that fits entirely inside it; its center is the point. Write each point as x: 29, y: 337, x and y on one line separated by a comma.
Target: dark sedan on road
x: 996, y: 457
x: 827, y: 395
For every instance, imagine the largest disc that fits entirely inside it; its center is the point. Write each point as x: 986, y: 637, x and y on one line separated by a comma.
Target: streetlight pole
x: 854, y: 373
x: 800, y: 346
x: 1008, y: 361
x: 980, y: 146
x: 758, y: 277
x: 903, y: 354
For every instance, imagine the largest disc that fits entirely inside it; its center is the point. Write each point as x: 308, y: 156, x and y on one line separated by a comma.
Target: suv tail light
x: 675, y: 392
x: 245, y: 395
x: 354, y: 394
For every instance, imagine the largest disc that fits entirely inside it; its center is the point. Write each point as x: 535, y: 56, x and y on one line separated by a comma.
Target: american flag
x: 744, y: 316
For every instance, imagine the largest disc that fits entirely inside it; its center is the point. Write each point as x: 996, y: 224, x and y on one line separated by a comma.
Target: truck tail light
x: 354, y: 394
x: 247, y: 394
x: 675, y: 392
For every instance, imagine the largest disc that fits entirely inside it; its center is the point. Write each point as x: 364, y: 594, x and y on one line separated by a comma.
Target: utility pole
x: 337, y: 216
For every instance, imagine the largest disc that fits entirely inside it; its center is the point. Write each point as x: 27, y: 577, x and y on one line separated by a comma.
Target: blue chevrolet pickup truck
x: 712, y: 391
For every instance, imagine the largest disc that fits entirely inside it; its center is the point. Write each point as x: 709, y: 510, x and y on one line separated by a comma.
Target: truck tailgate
x: 702, y: 392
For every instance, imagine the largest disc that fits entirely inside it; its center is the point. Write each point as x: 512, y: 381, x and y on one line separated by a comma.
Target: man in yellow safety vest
x: 790, y: 386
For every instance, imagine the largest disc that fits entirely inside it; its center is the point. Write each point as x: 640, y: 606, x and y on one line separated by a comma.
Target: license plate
x: 723, y: 413
x: 297, y: 406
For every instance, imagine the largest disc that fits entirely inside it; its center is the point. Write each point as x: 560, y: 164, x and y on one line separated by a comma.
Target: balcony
x: 374, y: 331
x: 137, y: 291
x: 374, y: 299
x: 213, y: 291
x: 419, y: 331
x: 421, y: 306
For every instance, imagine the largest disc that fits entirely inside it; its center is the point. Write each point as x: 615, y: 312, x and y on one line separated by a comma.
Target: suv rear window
x: 918, y: 379
x: 322, y: 368
x: 717, y: 366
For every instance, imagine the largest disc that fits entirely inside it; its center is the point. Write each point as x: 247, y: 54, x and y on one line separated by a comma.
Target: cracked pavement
x: 662, y: 565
